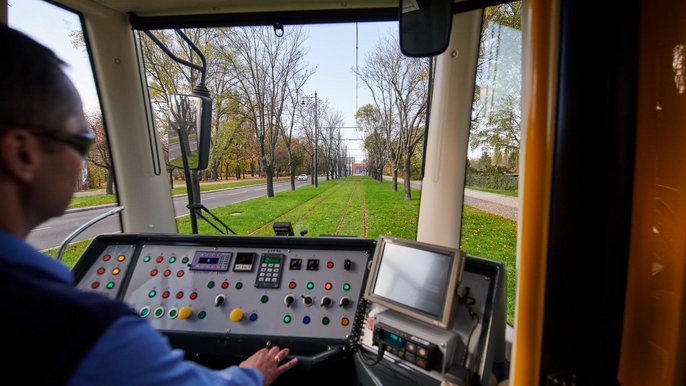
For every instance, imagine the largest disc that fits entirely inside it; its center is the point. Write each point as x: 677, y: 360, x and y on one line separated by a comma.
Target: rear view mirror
x: 188, y: 134
x: 425, y: 26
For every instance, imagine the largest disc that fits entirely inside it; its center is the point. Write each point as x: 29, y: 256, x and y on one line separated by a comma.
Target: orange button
x: 116, y: 271
x: 101, y: 270
x: 345, y: 321
x: 328, y: 286
x: 121, y: 258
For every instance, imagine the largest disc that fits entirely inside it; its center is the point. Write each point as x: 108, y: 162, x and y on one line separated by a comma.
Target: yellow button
x: 236, y: 315
x: 184, y: 312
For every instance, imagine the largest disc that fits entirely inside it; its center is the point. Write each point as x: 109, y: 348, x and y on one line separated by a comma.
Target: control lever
x: 72, y: 235
x: 309, y: 362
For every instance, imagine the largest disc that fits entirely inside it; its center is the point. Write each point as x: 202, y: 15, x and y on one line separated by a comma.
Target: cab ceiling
x: 193, y: 7
x: 160, y: 14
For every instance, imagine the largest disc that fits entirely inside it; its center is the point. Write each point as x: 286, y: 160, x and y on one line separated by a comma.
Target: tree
x: 496, y: 109
x: 399, y: 87
x: 369, y: 120
x: 99, y: 154
x: 265, y: 66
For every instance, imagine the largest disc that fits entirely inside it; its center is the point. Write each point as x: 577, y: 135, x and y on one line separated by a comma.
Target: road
x: 505, y: 206
x: 51, y: 233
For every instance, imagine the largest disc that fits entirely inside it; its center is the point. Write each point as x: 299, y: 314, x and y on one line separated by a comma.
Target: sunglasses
x: 81, y: 142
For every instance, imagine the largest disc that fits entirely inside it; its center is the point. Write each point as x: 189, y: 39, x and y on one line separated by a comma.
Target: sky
x: 334, y: 49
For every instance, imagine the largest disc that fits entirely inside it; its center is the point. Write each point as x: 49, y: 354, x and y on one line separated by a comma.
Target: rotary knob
x: 307, y: 300
x: 345, y: 302
x: 326, y: 301
x: 288, y: 300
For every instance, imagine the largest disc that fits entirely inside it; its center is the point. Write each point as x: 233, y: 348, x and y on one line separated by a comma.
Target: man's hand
x: 268, y: 361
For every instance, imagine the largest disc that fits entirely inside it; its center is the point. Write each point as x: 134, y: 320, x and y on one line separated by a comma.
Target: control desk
x: 221, y: 298
x: 231, y: 295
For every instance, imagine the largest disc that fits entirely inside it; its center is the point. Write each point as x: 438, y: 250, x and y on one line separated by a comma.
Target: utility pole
x: 316, y: 142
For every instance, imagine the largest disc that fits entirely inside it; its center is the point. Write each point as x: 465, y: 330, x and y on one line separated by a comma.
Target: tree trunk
x: 394, y: 186
x: 238, y: 172
x: 269, y: 171
x: 406, y: 180
x: 110, y: 180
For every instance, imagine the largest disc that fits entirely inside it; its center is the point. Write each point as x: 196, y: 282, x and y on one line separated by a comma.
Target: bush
x: 499, y: 182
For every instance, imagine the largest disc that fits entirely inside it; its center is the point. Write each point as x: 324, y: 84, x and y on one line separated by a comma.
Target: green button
x: 310, y: 285
x: 146, y: 258
x: 210, y: 284
x: 239, y: 285
x: 152, y: 294
x: 325, y: 320
x: 185, y: 260
x: 145, y: 311
x: 173, y: 313
x: 110, y: 285
x: 264, y: 298
x: 287, y: 319
x: 346, y: 287
x: 159, y: 312
x: 172, y: 259
x: 202, y: 315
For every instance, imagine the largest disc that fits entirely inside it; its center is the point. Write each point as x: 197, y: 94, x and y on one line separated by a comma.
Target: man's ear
x: 20, y: 154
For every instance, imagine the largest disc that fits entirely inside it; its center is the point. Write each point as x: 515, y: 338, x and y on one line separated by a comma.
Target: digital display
x: 271, y: 259
x: 393, y: 339
x: 244, y: 261
x: 208, y: 260
x: 414, y: 278
x: 211, y: 261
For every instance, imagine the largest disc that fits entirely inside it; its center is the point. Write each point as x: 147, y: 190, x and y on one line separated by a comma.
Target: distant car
x: 302, y: 177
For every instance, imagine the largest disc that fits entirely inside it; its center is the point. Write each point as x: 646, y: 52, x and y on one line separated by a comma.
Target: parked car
x: 302, y: 177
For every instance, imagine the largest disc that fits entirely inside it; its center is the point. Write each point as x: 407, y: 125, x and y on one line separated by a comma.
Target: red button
x: 167, y: 272
x: 329, y: 264
x: 194, y: 295
x: 179, y: 294
x: 154, y: 272
x: 179, y: 274
x: 225, y: 285
x: 165, y: 294
x: 101, y: 270
x: 106, y: 257
x: 95, y: 284
x: 291, y: 285
x: 159, y: 259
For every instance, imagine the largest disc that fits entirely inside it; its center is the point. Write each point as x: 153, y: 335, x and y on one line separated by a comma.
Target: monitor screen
x: 415, y: 279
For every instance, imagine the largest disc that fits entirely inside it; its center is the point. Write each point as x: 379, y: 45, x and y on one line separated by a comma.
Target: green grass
x: 356, y: 206
x: 493, y: 237
x: 96, y: 199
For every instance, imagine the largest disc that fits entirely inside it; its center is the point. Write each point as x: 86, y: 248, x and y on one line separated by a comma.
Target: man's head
x: 41, y: 119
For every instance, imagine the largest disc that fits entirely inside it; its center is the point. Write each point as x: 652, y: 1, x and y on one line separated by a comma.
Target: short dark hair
x: 34, y: 91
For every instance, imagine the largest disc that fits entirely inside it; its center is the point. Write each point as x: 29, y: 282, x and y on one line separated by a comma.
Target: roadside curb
x: 93, y: 207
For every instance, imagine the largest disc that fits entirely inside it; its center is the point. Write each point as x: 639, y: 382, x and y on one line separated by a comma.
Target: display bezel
x: 455, y: 266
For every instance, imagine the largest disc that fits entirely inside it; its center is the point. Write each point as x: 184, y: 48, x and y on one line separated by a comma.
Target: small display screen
x: 414, y: 278
x: 393, y: 339
x: 208, y: 260
x: 271, y: 259
x: 245, y: 258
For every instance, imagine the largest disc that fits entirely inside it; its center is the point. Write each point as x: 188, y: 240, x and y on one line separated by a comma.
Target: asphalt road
x: 51, y: 233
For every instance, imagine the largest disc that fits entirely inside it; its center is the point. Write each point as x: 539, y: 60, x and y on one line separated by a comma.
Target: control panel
x: 233, y: 286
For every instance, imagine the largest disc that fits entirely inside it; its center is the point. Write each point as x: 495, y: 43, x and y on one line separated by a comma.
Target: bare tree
x: 99, y: 154
x: 399, y: 87
x: 369, y: 120
x: 265, y: 66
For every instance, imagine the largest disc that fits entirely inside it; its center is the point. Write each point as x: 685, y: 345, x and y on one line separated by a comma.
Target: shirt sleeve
x: 130, y: 352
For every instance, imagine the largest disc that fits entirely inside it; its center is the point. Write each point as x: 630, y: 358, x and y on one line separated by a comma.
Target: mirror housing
x: 424, y: 26
x: 188, y: 133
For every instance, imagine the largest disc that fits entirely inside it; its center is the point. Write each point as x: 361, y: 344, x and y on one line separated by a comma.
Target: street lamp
x: 316, y: 140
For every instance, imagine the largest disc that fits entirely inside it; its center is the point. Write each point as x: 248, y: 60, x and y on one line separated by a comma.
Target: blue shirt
x: 130, y: 352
